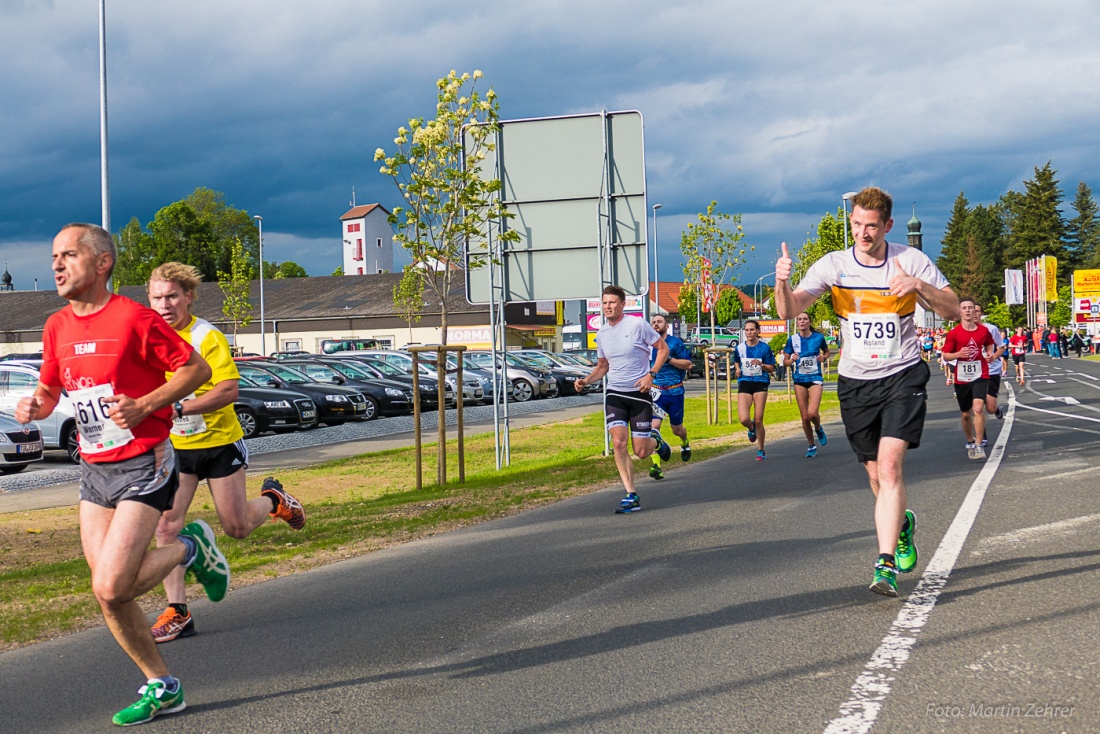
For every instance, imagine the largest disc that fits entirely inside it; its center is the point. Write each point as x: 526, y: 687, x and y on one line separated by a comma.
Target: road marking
x: 1086, y: 384
x: 1014, y: 402
x: 859, y: 713
x: 1039, y: 532
x: 1083, y: 374
x: 1044, y: 396
x: 1067, y: 400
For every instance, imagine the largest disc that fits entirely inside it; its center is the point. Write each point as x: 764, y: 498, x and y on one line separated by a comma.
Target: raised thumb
x: 897, y: 261
x: 786, y: 253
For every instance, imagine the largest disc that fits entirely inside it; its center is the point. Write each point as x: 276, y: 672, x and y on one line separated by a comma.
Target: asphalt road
x: 735, y: 602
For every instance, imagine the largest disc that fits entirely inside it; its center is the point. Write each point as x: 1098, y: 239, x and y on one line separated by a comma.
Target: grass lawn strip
x: 354, y: 506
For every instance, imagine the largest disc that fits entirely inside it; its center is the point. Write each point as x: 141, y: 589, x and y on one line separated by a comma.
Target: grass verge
x: 354, y: 506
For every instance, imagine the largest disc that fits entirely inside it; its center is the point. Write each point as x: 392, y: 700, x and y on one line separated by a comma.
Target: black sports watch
x: 179, y: 409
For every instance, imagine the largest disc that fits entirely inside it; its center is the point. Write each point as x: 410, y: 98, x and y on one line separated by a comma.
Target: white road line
x: 1038, y: 532
x: 859, y: 713
x: 1013, y: 402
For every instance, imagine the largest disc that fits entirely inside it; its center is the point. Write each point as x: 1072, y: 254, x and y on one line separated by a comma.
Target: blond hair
x: 187, y: 276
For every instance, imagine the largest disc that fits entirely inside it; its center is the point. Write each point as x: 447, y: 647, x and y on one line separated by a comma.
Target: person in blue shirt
x: 805, y: 352
x: 754, y: 365
x: 668, y: 391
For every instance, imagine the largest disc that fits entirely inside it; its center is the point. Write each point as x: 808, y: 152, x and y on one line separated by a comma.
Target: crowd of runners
x: 155, y: 387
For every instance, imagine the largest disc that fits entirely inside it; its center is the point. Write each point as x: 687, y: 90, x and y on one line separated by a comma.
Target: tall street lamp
x: 263, y: 333
x: 656, y: 276
x: 104, y: 187
x: 756, y: 294
x: 844, y: 202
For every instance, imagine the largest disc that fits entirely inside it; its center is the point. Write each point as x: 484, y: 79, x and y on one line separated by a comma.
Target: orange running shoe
x: 171, y: 624
x: 289, y: 509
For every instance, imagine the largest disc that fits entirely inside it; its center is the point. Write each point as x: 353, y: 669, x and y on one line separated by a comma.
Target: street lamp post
x: 105, y: 189
x: 844, y: 202
x: 263, y: 332
x: 656, y: 271
x: 756, y: 293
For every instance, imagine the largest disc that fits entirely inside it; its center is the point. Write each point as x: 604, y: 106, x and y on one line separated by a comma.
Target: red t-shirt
x: 1018, y: 343
x: 124, y: 345
x: 973, y: 366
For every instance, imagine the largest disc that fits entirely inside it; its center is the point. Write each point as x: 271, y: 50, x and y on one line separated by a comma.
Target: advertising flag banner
x: 708, y: 287
x: 1050, y: 275
x: 1014, y: 287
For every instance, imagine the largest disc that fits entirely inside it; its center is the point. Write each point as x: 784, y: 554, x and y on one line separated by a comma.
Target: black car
x: 261, y: 409
x: 429, y: 391
x: 565, y: 374
x: 335, y: 404
x: 384, y: 397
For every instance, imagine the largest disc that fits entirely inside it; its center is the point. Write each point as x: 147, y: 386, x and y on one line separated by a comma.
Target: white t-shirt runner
x: 995, y: 366
x: 625, y: 346
x: 878, y: 336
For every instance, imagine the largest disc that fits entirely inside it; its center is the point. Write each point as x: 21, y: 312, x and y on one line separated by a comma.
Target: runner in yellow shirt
x: 209, y: 443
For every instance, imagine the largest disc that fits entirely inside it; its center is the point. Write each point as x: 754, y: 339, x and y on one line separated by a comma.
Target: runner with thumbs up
x: 875, y: 287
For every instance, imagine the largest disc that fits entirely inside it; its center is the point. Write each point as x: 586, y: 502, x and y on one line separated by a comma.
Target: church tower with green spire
x: 916, y: 239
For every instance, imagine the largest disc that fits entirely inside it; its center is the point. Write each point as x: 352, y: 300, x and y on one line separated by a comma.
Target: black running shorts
x: 751, y: 387
x: 890, y: 407
x: 215, y: 463
x: 994, y: 387
x: 967, y: 392
x: 1019, y: 358
x: 633, y: 409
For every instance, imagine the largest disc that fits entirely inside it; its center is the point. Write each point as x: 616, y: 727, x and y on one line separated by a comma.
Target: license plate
x: 278, y: 423
x: 28, y: 448
x: 360, y: 406
x: 309, y: 414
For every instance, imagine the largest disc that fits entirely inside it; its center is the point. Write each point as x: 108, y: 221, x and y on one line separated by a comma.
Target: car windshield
x: 294, y: 377
x: 316, y: 371
x: 539, y: 359
x: 349, y: 370
x: 245, y: 382
x: 574, y: 360
x: 386, y: 368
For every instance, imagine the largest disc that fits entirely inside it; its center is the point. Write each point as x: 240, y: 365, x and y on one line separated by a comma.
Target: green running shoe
x: 655, y: 472
x: 155, y: 700
x: 907, y: 549
x: 210, y: 567
x: 885, y: 582
x: 685, y: 452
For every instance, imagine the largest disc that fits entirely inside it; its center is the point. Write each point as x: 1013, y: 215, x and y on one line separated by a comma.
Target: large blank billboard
x: 576, y: 188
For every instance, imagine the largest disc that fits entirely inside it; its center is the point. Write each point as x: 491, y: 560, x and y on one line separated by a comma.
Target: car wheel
x: 372, y: 409
x: 522, y: 390
x: 248, y: 422
x: 70, y: 441
x: 12, y: 469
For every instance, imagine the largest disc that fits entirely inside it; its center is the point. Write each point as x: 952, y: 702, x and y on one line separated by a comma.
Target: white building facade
x: 368, y: 240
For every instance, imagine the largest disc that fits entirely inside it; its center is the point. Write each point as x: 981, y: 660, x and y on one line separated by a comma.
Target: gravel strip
x: 326, y: 436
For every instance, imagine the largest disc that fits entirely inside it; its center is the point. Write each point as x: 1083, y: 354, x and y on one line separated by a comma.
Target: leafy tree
x: 1083, y: 231
x: 339, y: 270
x: 1061, y: 314
x: 709, y: 239
x: 983, y: 275
x: 236, y: 286
x: 998, y: 314
x: 728, y: 306
x: 136, y: 256
x: 687, y: 303
x: 953, y: 252
x: 288, y: 269
x: 778, y: 343
x: 1036, y: 223
x: 447, y: 201
x: 408, y: 297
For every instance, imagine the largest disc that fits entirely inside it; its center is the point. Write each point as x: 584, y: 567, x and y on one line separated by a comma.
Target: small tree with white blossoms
x: 446, y: 199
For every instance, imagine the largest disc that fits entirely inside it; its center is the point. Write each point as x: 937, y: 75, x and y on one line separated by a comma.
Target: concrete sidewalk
x: 64, y: 495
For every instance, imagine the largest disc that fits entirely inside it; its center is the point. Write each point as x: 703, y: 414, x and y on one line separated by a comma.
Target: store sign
x: 1086, y: 283
x: 470, y: 335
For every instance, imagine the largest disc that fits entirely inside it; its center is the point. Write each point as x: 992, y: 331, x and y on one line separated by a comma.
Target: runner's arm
x: 129, y: 412
x: 222, y: 394
x: 595, y: 375
x: 38, y: 406
x: 646, y: 381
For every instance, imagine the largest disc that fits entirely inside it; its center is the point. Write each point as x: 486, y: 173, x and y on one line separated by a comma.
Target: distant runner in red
x: 971, y: 345
x: 1018, y: 346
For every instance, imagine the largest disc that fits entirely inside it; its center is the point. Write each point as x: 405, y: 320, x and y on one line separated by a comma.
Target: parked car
x: 472, y: 389
x: 528, y: 381
x: 719, y: 336
x: 261, y: 409
x: 429, y: 391
x: 335, y: 404
x: 384, y: 397
x: 565, y: 374
x: 487, y: 376
x: 20, y: 445
x: 18, y: 379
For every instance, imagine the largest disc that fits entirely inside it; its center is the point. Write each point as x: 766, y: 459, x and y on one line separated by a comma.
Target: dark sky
x: 772, y: 109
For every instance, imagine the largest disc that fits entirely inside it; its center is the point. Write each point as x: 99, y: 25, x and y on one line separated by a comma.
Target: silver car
x: 20, y: 445
x: 19, y: 380
x: 527, y: 381
x: 473, y: 389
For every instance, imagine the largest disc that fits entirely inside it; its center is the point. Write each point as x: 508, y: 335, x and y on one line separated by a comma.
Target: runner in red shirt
x: 111, y: 355
x: 1017, y: 344
x: 971, y: 345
